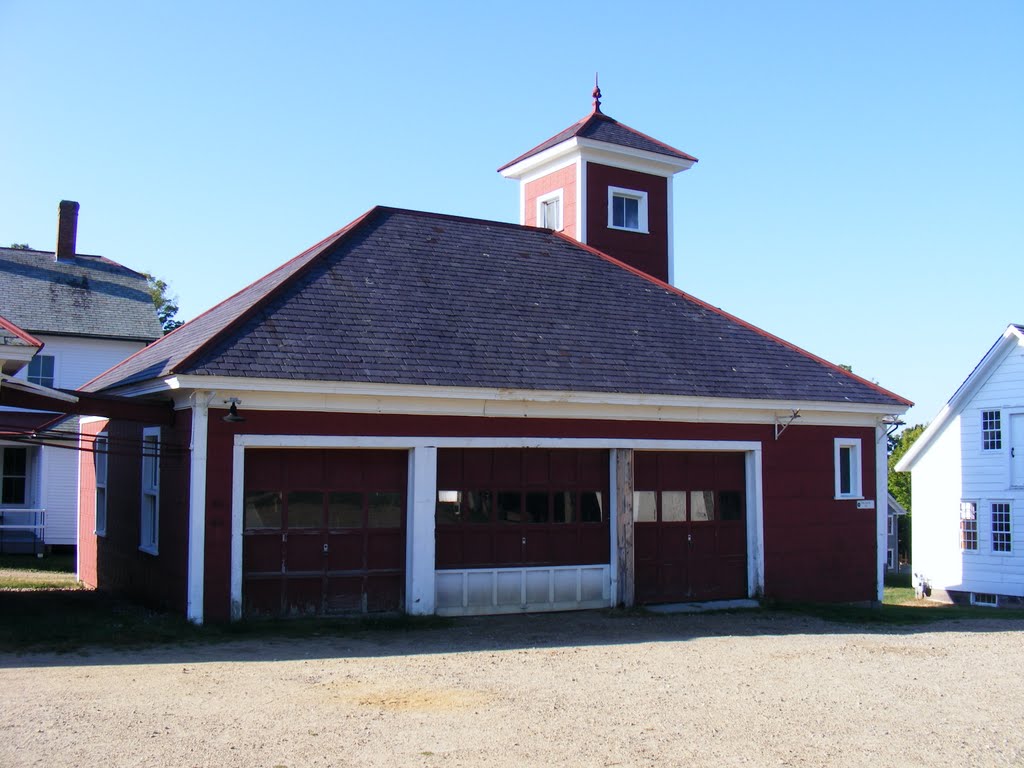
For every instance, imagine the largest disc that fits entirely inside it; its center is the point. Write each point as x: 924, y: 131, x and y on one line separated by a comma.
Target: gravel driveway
x: 569, y: 689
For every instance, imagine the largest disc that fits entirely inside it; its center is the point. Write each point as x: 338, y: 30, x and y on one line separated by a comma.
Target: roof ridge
x: 572, y: 130
x: 454, y: 217
x: 631, y: 129
x: 738, y: 320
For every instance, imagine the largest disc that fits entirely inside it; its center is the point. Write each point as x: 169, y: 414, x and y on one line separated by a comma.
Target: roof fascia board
x: 1011, y: 338
x: 332, y: 395
x: 602, y: 152
x: 541, y: 159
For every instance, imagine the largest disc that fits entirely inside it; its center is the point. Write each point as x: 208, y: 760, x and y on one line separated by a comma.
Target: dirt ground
x: 566, y: 690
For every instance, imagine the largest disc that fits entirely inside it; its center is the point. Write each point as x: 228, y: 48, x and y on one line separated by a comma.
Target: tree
x: 899, y: 482
x: 21, y: 246
x: 166, y: 304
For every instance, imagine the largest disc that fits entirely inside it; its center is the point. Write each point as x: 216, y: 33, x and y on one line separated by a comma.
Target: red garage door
x: 324, y: 531
x: 690, y: 534
x: 511, y: 507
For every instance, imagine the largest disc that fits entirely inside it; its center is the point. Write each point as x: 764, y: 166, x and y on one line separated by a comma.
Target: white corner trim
x: 881, y: 507
x: 197, y: 507
x: 581, y: 200
x: 237, y: 510
x: 669, y: 184
x: 755, y: 521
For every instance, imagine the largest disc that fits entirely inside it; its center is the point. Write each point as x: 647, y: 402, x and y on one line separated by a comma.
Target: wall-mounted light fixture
x: 233, y: 416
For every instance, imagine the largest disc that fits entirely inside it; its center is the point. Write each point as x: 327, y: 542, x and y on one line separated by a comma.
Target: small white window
x: 627, y: 209
x: 968, y: 526
x: 549, y: 210
x: 99, y: 462
x: 890, y: 559
x: 991, y: 431
x: 40, y: 370
x: 149, y: 523
x: 892, y: 525
x: 848, y: 468
x: 17, y: 476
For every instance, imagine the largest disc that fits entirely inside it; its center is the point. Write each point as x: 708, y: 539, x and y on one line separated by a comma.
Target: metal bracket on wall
x: 891, y: 423
x: 780, y: 427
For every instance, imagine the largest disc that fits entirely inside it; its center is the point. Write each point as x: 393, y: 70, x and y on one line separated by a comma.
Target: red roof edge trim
x: 315, y: 251
x: 23, y: 335
x: 733, y: 318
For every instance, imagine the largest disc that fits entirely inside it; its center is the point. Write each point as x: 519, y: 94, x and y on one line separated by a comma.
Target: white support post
x: 755, y: 524
x: 197, y: 508
x: 419, y: 531
x: 237, y: 521
x: 881, y: 505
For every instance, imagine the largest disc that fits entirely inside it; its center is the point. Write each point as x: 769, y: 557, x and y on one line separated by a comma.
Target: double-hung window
x: 1002, y: 537
x: 848, y: 468
x: 149, y: 523
x: 40, y: 370
x: 99, y: 461
x: 991, y: 431
x: 549, y: 210
x: 15, y: 476
x: 627, y: 209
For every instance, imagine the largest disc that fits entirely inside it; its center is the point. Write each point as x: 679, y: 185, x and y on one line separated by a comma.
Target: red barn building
x: 445, y: 415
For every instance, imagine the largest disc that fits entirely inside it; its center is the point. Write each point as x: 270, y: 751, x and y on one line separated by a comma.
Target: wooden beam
x: 624, y: 505
x: 156, y: 413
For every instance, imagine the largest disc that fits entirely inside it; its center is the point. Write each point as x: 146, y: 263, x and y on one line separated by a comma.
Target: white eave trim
x: 282, y: 394
x: 599, y: 152
x: 1011, y: 337
x: 36, y: 389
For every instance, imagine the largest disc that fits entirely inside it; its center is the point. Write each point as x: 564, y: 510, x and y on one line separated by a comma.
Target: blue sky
x: 860, y: 190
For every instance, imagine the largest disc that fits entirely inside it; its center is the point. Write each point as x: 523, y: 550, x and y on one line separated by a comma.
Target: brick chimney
x: 67, y: 229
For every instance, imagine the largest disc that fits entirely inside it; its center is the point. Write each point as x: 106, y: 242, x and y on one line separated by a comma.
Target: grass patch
x: 69, y: 620
x: 920, y: 612
x: 31, y: 572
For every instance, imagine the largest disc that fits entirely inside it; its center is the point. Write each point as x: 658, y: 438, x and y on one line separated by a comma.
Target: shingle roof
x: 600, y: 127
x: 404, y: 297
x: 83, y: 296
x: 12, y: 335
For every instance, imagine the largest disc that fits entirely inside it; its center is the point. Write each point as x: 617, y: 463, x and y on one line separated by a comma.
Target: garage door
x: 324, y: 531
x: 690, y: 531
x: 511, y: 507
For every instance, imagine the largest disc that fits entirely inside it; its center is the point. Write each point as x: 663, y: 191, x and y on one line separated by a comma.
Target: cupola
x: 606, y: 185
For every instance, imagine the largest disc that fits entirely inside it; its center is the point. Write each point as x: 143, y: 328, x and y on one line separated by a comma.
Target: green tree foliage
x: 20, y: 246
x: 166, y: 304
x: 899, y: 482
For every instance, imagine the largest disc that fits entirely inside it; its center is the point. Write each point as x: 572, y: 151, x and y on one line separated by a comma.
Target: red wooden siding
x: 647, y: 252
x: 535, y: 507
x: 114, y: 562
x: 87, y: 539
x: 564, y: 179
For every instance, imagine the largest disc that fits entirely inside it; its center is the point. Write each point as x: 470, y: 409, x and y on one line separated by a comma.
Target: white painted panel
x: 502, y: 590
x: 59, y: 495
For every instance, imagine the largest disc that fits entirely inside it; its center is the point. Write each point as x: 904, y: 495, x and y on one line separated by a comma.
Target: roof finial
x: 596, y: 94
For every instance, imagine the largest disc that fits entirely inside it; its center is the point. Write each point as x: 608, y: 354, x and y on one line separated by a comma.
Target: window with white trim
x: 149, y: 522
x: 549, y: 210
x: 991, y: 431
x: 17, y: 476
x: 848, y: 468
x: 99, y: 462
x: 892, y: 525
x: 40, y: 370
x: 968, y: 526
x: 627, y: 209
x: 1002, y: 538
x: 890, y: 559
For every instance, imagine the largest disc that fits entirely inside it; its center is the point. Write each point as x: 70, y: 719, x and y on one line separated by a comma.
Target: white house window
x: 15, y: 477
x: 99, y: 461
x: 1001, y: 536
x: 991, y: 431
x: 627, y: 209
x: 892, y: 525
x: 40, y: 370
x: 549, y: 210
x: 968, y: 526
x: 848, y: 468
x: 149, y: 524
x: 890, y: 559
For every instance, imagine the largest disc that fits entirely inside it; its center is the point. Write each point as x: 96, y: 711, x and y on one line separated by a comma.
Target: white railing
x: 28, y: 527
